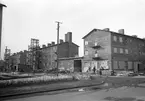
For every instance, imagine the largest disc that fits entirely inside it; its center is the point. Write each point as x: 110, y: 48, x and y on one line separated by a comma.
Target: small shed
x: 73, y: 64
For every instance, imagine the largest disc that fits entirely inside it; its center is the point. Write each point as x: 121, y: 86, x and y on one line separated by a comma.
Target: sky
x: 26, y: 19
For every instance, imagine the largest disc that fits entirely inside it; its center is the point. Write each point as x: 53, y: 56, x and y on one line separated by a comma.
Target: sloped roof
x: 113, y: 33
x: 89, y: 33
x: 59, y: 44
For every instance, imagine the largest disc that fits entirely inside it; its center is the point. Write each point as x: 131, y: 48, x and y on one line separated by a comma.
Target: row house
x: 44, y: 58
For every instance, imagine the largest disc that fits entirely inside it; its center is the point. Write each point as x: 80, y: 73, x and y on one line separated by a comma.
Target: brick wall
x: 103, y: 39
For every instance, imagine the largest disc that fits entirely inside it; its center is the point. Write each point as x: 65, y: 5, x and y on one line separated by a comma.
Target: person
x: 89, y: 68
x: 100, y: 72
x: 94, y: 69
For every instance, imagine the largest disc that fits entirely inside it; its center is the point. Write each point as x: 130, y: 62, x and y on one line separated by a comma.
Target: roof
x: 113, y: 33
x: 59, y: 44
x: 2, y: 5
x: 89, y: 33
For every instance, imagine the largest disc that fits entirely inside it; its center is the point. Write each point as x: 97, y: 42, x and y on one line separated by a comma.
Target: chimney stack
x: 43, y: 46
x: 52, y: 43
x: 68, y: 37
x: 121, y: 31
x: 134, y: 36
x: 61, y: 41
x: 48, y: 44
x: 106, y: 29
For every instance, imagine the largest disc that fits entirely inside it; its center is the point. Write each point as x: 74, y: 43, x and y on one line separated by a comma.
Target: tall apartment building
x: 49, y: 52
x: 113, y: 50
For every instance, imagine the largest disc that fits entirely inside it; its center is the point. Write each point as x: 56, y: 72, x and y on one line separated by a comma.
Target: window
x: 115, y: 38
x: 86, y: 42
x: 121, y: 50
x: 115, y: 50
x: 126, y: 51
x: 120, y: 39
x: 96, y: 54
x: 86, y: 52
x: 96, y: 43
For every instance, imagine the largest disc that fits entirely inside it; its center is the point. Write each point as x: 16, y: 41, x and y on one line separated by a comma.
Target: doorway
x: 77, y: 66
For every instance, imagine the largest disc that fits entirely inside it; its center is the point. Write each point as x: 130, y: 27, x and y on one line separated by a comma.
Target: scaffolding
x: 34, y: 54
x: 7, y: 55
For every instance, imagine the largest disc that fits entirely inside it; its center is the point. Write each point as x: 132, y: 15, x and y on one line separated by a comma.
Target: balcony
x: 97, y: 57
x: 96, y: 46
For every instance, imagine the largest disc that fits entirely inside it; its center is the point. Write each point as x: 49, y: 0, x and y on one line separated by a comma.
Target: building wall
x: 48, y: 57
x: 64, y: 50
x: 73, y: 50
x: 72, y: 64
x: 67, y: 65
x: 127, y: 60
x: 103, y: 39
x: 49, y: 54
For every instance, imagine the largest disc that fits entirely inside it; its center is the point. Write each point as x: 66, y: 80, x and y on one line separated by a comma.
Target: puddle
x: 123, y: 99
x: 81, y: 90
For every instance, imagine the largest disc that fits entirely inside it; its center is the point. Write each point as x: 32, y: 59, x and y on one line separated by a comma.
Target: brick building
x: 19, y: 62
x: 46, y: 57
x: 113, y: 51
x: 66, y: 49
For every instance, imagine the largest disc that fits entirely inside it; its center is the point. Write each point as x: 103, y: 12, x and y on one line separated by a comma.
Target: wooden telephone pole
x: 58, y: 23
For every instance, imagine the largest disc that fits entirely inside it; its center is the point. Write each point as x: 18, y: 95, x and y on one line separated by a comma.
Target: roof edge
x: 112, y: 32
x: 90, y: 33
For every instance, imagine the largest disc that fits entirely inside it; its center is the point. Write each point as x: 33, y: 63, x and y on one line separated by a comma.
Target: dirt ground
x: 113, y: 94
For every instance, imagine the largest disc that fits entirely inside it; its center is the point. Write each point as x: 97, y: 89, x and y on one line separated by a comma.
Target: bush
x: 54, y: 71
x: 34, y: 80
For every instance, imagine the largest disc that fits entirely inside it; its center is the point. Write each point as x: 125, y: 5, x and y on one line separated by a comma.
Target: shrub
x: 34, y: 80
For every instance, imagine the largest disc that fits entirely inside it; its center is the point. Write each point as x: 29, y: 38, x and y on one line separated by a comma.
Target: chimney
x: 106, y: 29
x: 121, y: 31
x: 48, y: 44
x: 66, y: 37
x: 52, y: 43
x: 43, y: 46
x: 61, y: 41
x: 25, y: 50
x: 69, y: 37
x: 134, y: 36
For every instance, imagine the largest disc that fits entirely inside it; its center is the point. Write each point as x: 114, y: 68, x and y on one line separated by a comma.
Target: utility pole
x: 1, y: 15
x: 58, y: 23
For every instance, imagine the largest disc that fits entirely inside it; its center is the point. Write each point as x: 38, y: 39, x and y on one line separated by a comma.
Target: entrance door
x: 77, y: 66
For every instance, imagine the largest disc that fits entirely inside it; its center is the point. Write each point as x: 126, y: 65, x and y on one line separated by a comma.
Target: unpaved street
x: 113, y: 94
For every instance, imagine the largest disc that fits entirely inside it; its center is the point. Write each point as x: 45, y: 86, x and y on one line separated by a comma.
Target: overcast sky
x: 26, y: 19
